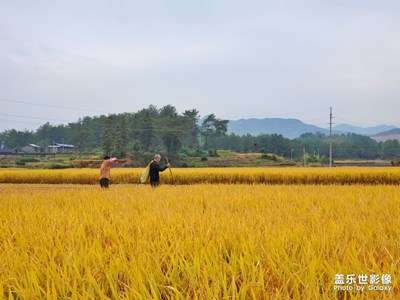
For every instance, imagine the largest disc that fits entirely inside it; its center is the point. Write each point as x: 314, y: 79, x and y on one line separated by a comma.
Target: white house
x: 60, y: 148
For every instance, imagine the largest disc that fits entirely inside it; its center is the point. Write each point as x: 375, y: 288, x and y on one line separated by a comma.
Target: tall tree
x: 207, y: 129
x: 391, y: 149
x: 107, y: 136
x: 123, y: 135
x: 145, y: 130
x: 14, y: 139
x: 213, y: 128
x: 120, y: 141
x: 193, y: 117
x: 168, y: 111
x: 171, y: 129
x: 48, y: 134
x: 83, y: 140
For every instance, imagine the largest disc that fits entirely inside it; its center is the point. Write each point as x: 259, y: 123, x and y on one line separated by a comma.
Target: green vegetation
x: 59, y: 161
x: 225, y: 158
x: 187, y: 140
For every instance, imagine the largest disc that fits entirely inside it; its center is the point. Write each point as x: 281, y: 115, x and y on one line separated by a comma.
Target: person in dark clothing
x: 155, y: 170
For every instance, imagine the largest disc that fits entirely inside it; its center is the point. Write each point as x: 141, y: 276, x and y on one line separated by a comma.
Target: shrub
x: 29, y: 159
x: 212, y: 153
x: 58, y: 166
x: 273, y: 157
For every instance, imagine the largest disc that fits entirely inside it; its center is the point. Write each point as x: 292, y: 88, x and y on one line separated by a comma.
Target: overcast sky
x: 61, y: 60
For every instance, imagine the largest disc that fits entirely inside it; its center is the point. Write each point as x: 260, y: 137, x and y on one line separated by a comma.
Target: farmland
x: 202, y: 237
x: 348, y: 175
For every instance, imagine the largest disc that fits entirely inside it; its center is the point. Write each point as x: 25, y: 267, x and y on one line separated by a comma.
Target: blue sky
x: 61, y: 60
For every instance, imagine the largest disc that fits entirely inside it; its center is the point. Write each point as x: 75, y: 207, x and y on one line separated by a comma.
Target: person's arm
x: 160, y: 169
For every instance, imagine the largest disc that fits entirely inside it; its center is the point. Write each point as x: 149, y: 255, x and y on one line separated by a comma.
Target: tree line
x: 164, y: 130
x: 148, y: 130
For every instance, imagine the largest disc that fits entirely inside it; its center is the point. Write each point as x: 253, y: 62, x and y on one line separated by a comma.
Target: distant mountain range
x: 290, y: 128
x: 293, y: 128
x: 393, y: 134
x: 361, y: 130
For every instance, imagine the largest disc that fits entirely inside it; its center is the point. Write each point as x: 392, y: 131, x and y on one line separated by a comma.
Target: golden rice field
x: 347, y: 175
x: 198, y: 241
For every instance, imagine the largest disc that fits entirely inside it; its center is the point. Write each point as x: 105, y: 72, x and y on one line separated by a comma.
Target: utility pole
x: 330, y: 138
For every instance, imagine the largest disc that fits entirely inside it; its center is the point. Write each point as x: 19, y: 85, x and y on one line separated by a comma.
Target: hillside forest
x: 182, y: 135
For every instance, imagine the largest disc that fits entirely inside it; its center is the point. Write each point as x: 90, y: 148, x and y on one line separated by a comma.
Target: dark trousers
x: 154, y: 183
x: 104, y: 183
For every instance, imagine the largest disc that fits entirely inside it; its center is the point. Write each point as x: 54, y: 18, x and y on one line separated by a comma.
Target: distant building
x: 30, y: 149
x: 60, y: 148
x: 8, y: 152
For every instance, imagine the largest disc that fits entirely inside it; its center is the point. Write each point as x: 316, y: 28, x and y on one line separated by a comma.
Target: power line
x: 35, y: 118
x: 279, y: 115
x: 51, y: 105
x: 19, y: 121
